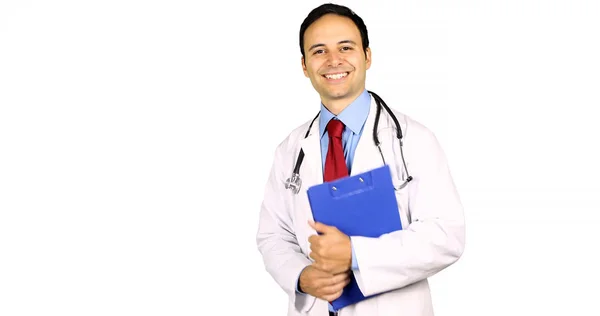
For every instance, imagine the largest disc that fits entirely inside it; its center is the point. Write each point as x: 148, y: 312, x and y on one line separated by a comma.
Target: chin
x: 338, y: 94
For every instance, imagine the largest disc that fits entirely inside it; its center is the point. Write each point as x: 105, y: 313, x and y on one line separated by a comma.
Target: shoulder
x: 290, y: 144
x: 421, y: 145
x: 422, y: 148
x: 412, y: 129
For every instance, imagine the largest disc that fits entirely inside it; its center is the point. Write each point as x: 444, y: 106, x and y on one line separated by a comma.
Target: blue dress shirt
x: 354, y: 117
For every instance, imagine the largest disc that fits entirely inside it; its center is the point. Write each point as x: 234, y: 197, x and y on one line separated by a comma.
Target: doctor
x: 313, y: 268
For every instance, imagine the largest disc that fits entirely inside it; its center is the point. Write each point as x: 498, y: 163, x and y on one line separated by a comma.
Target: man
x: 313, y: 262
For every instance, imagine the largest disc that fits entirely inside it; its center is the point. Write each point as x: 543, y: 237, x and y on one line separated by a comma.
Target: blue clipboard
x: 360, y: 205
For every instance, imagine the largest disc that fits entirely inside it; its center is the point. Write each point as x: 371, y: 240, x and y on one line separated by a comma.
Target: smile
x: 336, y: 76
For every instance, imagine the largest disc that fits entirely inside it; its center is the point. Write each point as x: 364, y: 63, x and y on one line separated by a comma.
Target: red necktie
x: 335, y: 162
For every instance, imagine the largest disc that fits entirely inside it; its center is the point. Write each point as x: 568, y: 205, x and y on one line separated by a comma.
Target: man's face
x: 334, y: 58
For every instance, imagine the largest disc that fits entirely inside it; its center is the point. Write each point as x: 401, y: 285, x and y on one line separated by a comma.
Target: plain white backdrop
x: 136, y: 137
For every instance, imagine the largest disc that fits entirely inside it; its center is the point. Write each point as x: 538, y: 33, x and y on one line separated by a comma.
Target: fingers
x: 329, y: 266
x: 315, y: 245
x: 321, y: 279
x: 325, y: 267
x: 331, y: 292
x: 334, y: 283
x: 333, y: 296
x: 320, y: 274
x: 340, y: 278
x: 315, y: 256
x: 324, y: 285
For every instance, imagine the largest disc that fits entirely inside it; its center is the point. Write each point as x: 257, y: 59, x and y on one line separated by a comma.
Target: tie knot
x: 335, y: 128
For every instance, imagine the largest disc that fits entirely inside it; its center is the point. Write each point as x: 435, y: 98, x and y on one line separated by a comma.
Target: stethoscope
x: 294, y: 182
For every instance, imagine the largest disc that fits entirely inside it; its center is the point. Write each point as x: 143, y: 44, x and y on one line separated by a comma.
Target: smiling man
x: 314, y: 262
x: 335, y: 60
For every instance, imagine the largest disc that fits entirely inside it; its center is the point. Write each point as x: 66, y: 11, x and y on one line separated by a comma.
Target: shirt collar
x: 353, y: 116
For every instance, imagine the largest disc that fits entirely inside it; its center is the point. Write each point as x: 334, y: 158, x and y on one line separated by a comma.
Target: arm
x: 433, y: 241
x: 276, y: 239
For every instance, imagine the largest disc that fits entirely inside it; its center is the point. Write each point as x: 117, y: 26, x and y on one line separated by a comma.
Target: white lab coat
x: 398, y: 263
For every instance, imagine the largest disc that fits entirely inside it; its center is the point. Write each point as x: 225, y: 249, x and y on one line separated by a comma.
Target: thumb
x: 320, y: 227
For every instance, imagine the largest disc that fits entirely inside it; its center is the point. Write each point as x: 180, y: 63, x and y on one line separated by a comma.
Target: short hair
x: 330, y: 8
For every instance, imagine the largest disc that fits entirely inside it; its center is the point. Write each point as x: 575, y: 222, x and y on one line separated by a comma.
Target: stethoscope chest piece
x: 294, y: 183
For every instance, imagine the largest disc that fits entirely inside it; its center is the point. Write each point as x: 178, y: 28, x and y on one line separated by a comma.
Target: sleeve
x: 435, y: 237
x: 354, y: 262
x: 277, y: 242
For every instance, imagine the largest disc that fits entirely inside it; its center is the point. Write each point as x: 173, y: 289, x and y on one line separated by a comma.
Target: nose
x: 334, y: 59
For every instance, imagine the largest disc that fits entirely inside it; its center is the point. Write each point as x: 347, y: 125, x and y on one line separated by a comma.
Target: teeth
x: 337, y: 76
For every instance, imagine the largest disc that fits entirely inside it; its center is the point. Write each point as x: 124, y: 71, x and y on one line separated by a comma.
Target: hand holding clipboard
x: 359, y: 205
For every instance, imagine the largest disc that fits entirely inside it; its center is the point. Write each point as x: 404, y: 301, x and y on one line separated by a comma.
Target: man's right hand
x: 322, y: 284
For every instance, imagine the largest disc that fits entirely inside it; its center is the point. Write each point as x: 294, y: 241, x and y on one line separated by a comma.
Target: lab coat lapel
x: 312, y: 171
x: 311, y: 174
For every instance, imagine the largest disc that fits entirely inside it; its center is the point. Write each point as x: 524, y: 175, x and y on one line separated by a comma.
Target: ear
x: 368, y: 57
x: 304, y: 66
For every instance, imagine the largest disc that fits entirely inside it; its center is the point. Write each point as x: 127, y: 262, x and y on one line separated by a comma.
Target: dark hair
x: 328, y: 8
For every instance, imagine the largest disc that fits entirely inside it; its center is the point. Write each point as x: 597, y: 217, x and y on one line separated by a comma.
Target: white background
x: 131, y: 174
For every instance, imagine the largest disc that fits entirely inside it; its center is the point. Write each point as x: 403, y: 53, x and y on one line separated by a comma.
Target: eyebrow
x: 340, y: 42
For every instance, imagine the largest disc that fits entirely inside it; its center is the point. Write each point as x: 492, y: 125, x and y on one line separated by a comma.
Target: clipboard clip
x: 351, y: 185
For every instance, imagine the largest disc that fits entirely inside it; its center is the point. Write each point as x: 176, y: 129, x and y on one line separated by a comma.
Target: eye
x: 319, y: 51
x: 346, y: 48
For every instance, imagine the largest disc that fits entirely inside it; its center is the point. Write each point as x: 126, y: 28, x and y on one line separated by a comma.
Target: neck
x: 336, y: 106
